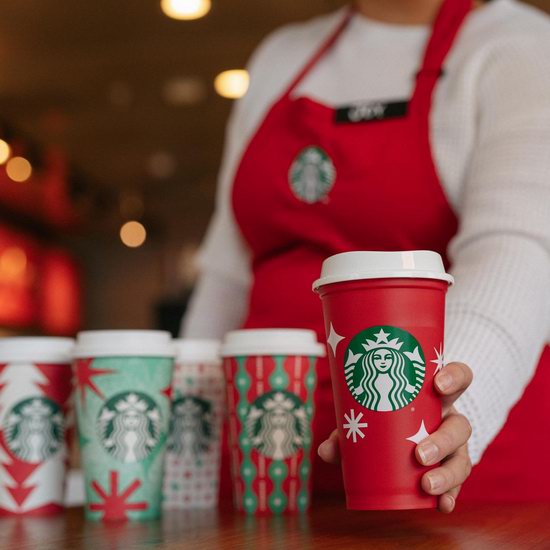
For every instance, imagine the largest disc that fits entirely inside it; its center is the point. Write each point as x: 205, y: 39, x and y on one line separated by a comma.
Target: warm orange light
x: 19, y: 169
x: 133, y: 234
x: 5, y: 151
x: 185, y: 9
x: 232, y: 84
x: 13, y: 263
x: 59, y: 293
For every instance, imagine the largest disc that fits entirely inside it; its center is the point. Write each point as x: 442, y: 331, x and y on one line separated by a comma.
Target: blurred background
x: 112, y: 117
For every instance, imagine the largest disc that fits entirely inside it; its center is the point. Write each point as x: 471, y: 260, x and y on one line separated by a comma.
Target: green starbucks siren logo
x: 277, y: 424
x: 34, y: 429
x: 129, y: 426
x: 191, y: 426
x: 312, y: 175
x: 384, y: 368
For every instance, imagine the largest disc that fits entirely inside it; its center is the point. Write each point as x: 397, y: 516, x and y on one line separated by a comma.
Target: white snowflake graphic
x: 354, y: 425
x: 440, y: 361
x: 420, y: 435
x: 334, y: 339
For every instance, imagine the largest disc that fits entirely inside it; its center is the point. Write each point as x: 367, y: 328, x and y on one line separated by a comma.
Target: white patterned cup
x: 192, y: 469
x: 35, y: 407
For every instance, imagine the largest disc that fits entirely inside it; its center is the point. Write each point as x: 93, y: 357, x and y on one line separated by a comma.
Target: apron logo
x: 191, y: 428
x: 129, y: 426
x: 312, y: 175
x: 384, y: 368
x: 34, y: 429
x: 277, y: 424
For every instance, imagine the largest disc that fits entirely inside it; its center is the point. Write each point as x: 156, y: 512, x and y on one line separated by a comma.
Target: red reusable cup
x: 384, y: 318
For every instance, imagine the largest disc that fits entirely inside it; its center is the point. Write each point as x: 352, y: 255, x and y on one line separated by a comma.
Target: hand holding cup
x: 447, y: 445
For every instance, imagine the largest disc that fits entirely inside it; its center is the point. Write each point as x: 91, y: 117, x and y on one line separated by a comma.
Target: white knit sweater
x: 490, y: 131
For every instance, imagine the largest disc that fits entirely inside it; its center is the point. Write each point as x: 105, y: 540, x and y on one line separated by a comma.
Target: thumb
x: 329, y: 450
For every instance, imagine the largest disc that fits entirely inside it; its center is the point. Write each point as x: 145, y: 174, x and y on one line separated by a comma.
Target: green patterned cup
x: 271, y: 379
x: 123, y: 391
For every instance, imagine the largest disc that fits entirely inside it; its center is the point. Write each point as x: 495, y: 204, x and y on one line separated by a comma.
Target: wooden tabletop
x: 329, y: 525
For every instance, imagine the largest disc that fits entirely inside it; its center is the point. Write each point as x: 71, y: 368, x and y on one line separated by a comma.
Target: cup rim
x: 272, y: 341
x: 123, y: 343
x: 189, y: 350
x: 366, y: 264
x: 366, y: 276
x: 36, y: 349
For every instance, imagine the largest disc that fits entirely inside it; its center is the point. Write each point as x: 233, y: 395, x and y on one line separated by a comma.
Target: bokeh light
x: 19, y: 169
x: 184, y: 90
x: 161, y: 165
x: 13, y: 263
x: 5, y: 151
x: 185, y: 10
x: 133, y: 234
x: 232, y: 84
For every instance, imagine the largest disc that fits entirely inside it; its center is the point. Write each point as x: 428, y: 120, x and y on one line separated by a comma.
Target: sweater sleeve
x: 218, y: 300
x: 218, y: 305
x: 498, y: 312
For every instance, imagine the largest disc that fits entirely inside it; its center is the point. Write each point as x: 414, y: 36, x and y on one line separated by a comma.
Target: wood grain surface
x: 329, y: 525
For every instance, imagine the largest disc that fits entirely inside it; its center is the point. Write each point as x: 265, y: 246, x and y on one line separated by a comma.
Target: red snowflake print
x: 84, y: 374
x: 167, y: 392
x: 115, y: 505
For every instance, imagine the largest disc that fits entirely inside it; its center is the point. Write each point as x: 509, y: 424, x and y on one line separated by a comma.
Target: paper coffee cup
x: 384, y: 318
x: 123, y: 390
x: 35, y: 391
x: 271, y: 379
x: 198, y: 398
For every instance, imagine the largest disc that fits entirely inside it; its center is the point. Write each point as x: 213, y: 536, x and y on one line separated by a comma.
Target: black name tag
x: 371, y: 111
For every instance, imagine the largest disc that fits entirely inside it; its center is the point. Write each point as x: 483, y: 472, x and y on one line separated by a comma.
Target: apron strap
x: 325, y: 47
x: 445, y: 28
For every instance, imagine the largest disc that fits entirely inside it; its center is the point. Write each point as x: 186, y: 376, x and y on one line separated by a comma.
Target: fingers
x: 447, y: 502
x: 451, y: 381
x: 453, y: 433
x: 450, y: 475
x: 329, y: 450
x: 448, y: 441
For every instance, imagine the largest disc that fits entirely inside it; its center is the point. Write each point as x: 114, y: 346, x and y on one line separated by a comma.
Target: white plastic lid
x: 272, y: 342
x: 124, y: 343
x: 36, y: 349
x: 191, y: 350
x: 354, y: 266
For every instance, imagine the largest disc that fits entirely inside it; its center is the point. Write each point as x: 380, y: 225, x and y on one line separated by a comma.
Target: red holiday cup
x: 384, y: 318
x: 35, y: 412
x: 270, y: 379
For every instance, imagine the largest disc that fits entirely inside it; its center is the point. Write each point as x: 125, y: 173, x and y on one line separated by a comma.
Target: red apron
x: 309, y: 186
